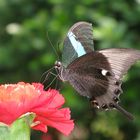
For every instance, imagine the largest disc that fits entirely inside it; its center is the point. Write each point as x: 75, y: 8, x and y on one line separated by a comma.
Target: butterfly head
x: 61, y: 70
x: 58, y: 65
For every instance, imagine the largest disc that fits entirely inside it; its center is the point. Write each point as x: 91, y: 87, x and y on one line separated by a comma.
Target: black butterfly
x: 95, y: 74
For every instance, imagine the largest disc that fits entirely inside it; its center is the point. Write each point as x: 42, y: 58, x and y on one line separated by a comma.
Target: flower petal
x: 59, y: 119
x: 21, y: 98
x: 40, y: 127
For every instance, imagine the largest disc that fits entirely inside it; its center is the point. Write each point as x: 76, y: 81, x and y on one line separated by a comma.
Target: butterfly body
x: 96, y: 74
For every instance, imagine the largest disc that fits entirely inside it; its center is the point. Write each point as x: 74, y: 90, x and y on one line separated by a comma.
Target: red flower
x: 19, y: 99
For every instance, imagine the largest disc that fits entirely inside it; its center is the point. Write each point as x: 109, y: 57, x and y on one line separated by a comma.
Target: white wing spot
x: 104, y: 72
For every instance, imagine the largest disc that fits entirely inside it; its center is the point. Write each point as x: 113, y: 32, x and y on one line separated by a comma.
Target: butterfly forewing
x: 78, y: 42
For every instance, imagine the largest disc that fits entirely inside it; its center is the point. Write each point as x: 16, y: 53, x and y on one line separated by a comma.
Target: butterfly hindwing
x: 120, y: 60
x: 91, y: 84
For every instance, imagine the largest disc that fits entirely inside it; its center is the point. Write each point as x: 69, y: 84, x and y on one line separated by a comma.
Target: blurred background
x: 26, y: 26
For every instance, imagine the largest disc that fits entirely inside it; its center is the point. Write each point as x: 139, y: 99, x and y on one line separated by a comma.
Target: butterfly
x: 95, y: 74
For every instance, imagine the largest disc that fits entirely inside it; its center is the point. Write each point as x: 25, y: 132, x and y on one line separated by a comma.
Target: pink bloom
x: 21, y: 98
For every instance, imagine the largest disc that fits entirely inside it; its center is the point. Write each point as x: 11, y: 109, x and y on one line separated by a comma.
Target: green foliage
x: 19, y: 130
x: 26, y: 26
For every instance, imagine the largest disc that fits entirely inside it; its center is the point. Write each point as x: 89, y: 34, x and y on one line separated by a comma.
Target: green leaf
x: 19, y: 130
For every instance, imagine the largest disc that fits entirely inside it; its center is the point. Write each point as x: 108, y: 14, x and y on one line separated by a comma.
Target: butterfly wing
x: 78, y: 42
x: 120, y: 60
x: 92, y: 73
x: 116, y: 60
x: 97, y: 75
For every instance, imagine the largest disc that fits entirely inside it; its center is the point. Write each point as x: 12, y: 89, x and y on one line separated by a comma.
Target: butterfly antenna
x: 46, y: 73
x: 58, y: 48
x: 52, y: 46
x: 124, y: 112
x: 57, y: 84
x: 51, y: 82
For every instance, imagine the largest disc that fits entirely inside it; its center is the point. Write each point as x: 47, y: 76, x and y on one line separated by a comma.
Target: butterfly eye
x: 57, y: 64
